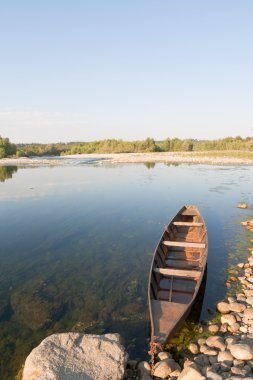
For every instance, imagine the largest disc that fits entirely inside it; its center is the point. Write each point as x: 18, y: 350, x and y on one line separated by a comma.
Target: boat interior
x: 179, y: 258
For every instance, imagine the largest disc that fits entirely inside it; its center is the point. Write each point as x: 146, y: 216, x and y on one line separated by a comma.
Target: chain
x: 152, y: 352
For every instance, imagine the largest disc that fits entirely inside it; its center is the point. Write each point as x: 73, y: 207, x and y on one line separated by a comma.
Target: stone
x: 241, y: 351
x: 242, y: 205
x: 247, y: 368
x: 164, y: 355
x: 237, y: 307
x: 216, y: 341
x: 231, y: 340
x: 201, y: 341
x: 240, y: 265
x: 249, y: 301
x: 223, y: 327
x: 248, y: 313
x: 205, y: 369
x: 212, y: 359
x: 201, y: 360
x: 175, y: 373
x: 211, y: 375
x: 238, y: 363
x: 132, y: 364
x: 213, y: 329
x: 241, y: 298
x: 74, y: 356
x: 143, y: 369
x: 224, y: 367
x: 234, y: 327
x: 226, y: 357
x: 238, y: 371
x: 193, y: 348
x: 244, y: 329
x: 231, y: 299
x: 228, y: 318
x: 164, y: 368
x: 248, y: 293
x: 223, y: 307
x: 210, y: 352
x: 188, y: 363
x: 190, y: 373
x: 203, y: 348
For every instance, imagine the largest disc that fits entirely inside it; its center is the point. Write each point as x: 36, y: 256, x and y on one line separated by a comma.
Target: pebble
x: 213, y: 329
x: 210, y: 352
x: 164, y: 355
x: 193, y: 348
x: 241, y: 351
x: 242, y: 205
x: 237, y: 307
x: 164, y: 368
x: 238, y: 371
x: 228, y: 318
x: 217, y: 342
x: 201, y: 341
x: 225, y: 356
x: 234, y: 327
x: 211, y: 375
x: 223, y: 307
x: 190, y: 373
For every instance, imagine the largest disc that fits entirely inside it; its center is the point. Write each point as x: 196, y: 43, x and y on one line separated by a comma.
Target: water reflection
x: 6, y: 172
x: 149, y: 165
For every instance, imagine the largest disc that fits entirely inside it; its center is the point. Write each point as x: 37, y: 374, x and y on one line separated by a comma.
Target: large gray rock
x: 74, y: 356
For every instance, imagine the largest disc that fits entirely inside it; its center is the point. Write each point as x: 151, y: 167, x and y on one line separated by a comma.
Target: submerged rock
x: 242, y: 205
x: 75, y: 356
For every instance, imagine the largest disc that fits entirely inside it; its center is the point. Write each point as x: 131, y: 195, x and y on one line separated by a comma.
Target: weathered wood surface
x: 188, y: 224
x: 170, y: 243
x: 177, y: 272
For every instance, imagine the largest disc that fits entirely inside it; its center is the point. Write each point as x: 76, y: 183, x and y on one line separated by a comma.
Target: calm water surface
x: 76, y: 245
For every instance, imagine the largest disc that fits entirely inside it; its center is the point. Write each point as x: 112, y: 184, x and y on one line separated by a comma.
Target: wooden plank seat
x: 188, y: 224
x: 170, y: 243
x: 178, y: 272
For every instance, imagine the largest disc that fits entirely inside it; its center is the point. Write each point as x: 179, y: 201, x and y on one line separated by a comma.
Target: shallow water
x: 77, y: 241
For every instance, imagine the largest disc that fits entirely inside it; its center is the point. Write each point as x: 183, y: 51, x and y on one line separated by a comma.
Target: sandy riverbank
x: 166, y: 157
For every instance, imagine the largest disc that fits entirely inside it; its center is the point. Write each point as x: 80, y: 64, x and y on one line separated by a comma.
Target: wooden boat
x: 176, y: 272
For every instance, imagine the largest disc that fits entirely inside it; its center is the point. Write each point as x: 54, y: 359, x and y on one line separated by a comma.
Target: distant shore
x: 210, y: 157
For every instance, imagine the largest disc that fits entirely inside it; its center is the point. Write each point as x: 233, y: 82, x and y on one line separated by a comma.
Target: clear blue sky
x: 88, y: 69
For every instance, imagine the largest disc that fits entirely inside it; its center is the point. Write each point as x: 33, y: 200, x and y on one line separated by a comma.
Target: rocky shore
x: 224, y: 352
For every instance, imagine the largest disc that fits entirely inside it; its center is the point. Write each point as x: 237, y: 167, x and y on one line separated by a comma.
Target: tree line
x: 8, y: 149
